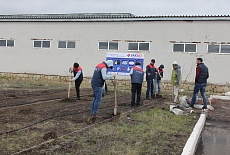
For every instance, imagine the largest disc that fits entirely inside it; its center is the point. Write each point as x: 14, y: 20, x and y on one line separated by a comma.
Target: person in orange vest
x: 78, y: 77
x: 99, y: 77
x: 151, y: 73
x: 159, y: 77
x: 137, y: 76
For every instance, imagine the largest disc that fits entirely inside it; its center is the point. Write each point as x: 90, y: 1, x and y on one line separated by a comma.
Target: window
x: 10, y: 43
x: 213, y: 48
x: 184, y: 47
x: 190, y: 47
x: 66, y: 44
x: 144, y: 46
x: 136, y: 46
x: 46, y: 44
x: 133, y: 46
x: 178, y: 47
x: 2, y: 42
x: 219, y: 48
x: 61, y: 44
x: 108, y: 45
x: 7, y: 43
x: 225, y: 49
x: 42, y: 44
x: 71, y: 44
x: 113, y: 46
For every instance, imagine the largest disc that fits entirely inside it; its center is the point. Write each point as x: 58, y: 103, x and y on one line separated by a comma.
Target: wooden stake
x: 155, y: 83
x: 115, y: 97
x: 69, y: 86
x: 163, y: 84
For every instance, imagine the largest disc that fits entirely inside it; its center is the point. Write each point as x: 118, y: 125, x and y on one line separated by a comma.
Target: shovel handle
x: 115, y: 97
x: 115, y: 92
x: 69, y: 86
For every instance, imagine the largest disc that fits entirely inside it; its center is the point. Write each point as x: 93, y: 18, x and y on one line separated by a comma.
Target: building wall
x: 23, y: 58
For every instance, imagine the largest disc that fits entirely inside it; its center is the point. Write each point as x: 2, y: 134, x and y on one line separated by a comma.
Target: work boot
x: 191, y: 106
x: 97, y: 115
x: 204, y: 107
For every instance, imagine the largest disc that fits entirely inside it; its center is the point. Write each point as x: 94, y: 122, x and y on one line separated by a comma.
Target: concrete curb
x: 190, y: 146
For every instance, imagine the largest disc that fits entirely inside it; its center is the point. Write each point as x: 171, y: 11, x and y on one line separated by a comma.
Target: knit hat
x: 109, y: 63
x: 175, y: 63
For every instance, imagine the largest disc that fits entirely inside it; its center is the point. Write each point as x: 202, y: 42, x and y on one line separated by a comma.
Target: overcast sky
x: 137, y: 7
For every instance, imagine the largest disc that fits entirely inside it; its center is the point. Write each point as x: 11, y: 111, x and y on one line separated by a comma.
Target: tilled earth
x: 220, y: 112
x: 30, y: 117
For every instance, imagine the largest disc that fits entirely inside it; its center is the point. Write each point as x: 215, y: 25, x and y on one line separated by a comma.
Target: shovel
x: 115, y: 97
x: 69, y: 86
x: 155, y: 85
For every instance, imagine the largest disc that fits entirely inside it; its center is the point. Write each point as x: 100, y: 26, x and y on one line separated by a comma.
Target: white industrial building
x: 50, y: 43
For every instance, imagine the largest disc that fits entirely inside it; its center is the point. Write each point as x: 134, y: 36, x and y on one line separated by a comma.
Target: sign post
x: 122, y: 65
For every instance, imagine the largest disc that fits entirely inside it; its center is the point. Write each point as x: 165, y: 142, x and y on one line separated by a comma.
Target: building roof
x: 106, y: 17
x: 68, y: 16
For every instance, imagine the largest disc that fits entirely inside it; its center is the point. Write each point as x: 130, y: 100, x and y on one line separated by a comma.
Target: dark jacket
x: 160, y: 73
x: 75, y: 70
x: 150, y: 69
x: 97, y: 79
x: 202, y: 73
x: 137, y: 76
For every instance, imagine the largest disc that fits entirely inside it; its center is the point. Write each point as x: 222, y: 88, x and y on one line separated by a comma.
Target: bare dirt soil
x: 221, y: 111
x: 35, y: 113
x: 33, y: 116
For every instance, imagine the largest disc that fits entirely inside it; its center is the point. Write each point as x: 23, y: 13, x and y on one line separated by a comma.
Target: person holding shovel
x: 137, y: 76
x: 151, y: 72
x: 78, y: 77
x: 97, y: 82
x: 159, y: 77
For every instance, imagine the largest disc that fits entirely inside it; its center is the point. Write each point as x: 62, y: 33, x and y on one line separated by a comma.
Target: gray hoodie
x: 104, y: 74
x: 178, y: 71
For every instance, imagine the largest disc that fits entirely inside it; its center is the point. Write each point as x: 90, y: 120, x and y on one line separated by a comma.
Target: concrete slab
x: 190, y: 146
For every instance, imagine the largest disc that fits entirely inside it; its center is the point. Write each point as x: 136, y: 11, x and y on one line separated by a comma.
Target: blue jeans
x: 97, y: 98
x: 149, y: 88
x: 199, y: 87
x: 159, y: 86
x: 154, y: 86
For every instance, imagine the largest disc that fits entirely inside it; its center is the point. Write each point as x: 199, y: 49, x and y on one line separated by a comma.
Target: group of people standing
x: 153, y: 78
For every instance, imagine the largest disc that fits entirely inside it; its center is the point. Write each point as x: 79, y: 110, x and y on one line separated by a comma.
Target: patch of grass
x: 10, y: 82
x: 149, y: 132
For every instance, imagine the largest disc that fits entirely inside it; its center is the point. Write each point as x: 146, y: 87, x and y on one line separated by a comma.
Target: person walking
x: 137, y: 76
x: 176, y: 80
x: 97, y: 82
x: 159, y: 77
x: 151, y: 72
x: 78, y: 78
x: 202, y: 74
